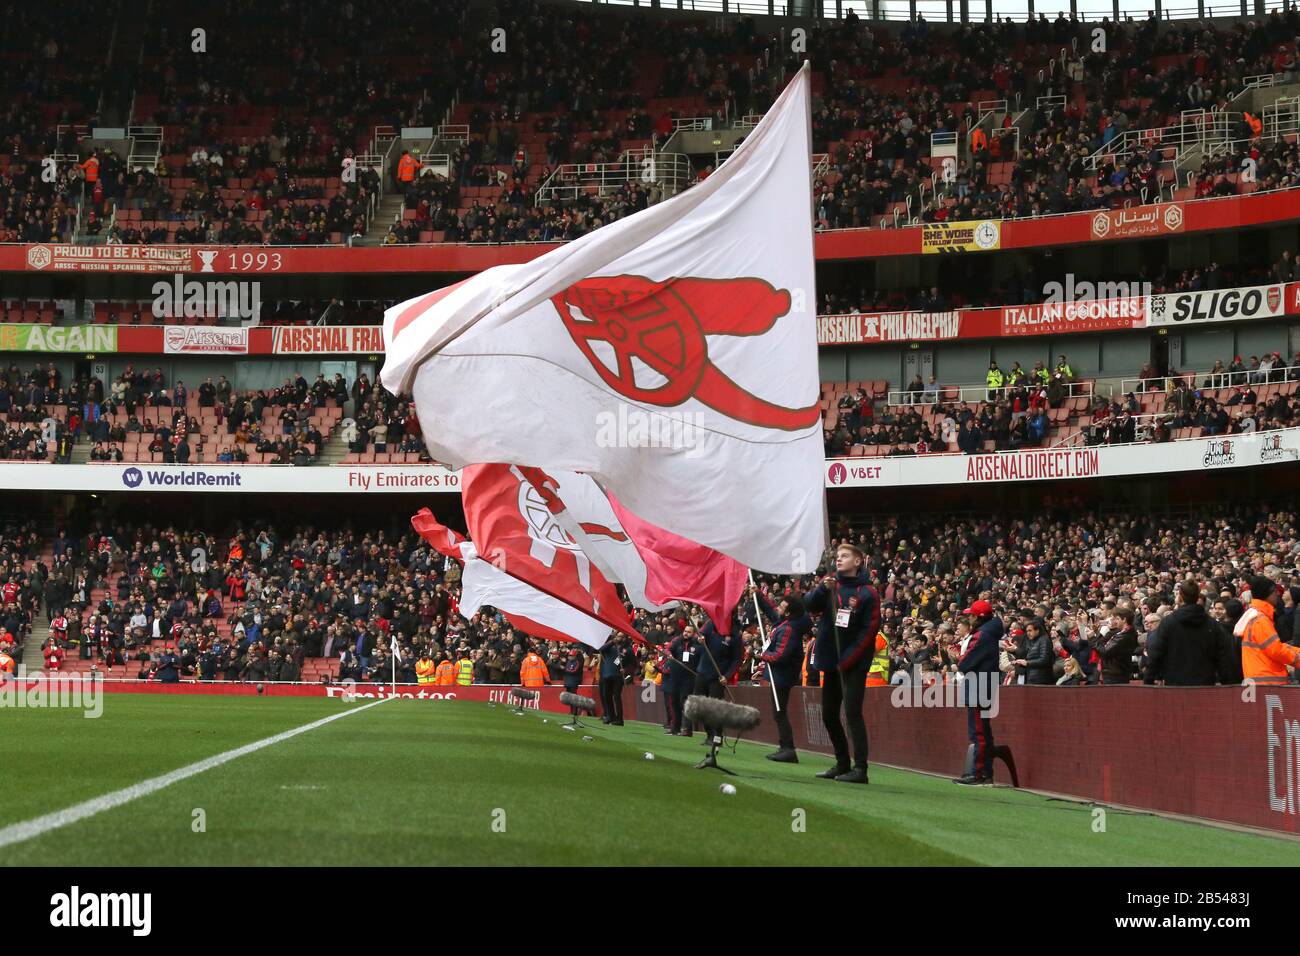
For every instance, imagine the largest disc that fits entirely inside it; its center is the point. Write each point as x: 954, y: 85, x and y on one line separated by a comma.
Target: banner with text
x: 875, y: 327
x: 1138, y: 222
x: 58, y: 338
x: 977, y: 235
x: 1216, y: 305
x: 1280, y: 446
x: 1064, y: 318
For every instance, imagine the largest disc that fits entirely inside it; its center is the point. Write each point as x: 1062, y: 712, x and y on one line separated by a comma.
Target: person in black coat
x: 684, y: 655
x: 979, y: 664
x: 1117, y: 647
x: 718, y: 664
x: 846, y: 641
x: 1039, y: 660
x: 1288, y: 628
x: 1188, y: 649
x: 783, y: 656
x: 614, y: 657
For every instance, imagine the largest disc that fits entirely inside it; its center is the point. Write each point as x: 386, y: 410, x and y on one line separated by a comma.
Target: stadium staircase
x: 30, y: 653
x: 335, y: 450
x: 390, y: 211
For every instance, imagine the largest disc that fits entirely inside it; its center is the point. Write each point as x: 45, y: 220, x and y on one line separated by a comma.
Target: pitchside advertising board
x: 1039, y: 464
x: 193, y: 339
x: 248, y: 479
x: 1045, y: 464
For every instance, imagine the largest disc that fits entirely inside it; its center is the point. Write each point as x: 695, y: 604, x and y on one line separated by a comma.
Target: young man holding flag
x: 783, y: 656
x: 850, y: 620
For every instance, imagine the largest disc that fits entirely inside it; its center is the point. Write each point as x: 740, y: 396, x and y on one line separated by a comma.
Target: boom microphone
x: 714, y: 712
x: 516, y: 694
x: 577, y: 700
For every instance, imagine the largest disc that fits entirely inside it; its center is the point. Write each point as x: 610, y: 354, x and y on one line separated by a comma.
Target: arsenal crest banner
x: 666, y: 355
x: 513, y: 527
x: 526, y: 608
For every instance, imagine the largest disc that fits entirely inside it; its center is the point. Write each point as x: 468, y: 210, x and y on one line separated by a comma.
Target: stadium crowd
x: 251, y: 149
x: 39, y: 417
x: 1018, y: 412
x: 264, y: 601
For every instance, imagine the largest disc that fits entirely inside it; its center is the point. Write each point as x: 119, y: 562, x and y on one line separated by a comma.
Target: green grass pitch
x: 449, y: 783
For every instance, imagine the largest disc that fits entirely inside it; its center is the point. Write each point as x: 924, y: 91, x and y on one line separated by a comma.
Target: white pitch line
x: 20, y: 832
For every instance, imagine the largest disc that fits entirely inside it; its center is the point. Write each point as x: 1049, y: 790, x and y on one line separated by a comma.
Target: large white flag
x: 671, y: 355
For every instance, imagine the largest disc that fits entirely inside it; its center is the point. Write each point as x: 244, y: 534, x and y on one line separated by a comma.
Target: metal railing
x: 1161, y: 385
x: 978, y: 13
x: 947, y: 394
x: 1196, y: 129
x: 671, y: 171
x: 1048, y: 104
x: 1143, y: 430
x: 987, y: 107
x: 688, y: 124
x: 146, y: 147
x: 454, y: 132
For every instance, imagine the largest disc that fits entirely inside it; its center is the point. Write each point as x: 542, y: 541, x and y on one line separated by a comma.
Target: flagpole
x: 392, y: 652
x: 758, y: 612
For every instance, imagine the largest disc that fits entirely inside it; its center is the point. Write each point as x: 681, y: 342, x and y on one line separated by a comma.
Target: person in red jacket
x: 53, y: 656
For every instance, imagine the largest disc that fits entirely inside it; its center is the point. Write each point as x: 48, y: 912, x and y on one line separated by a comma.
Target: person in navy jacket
x: 684, y: 655
x: 846, y: 642
x: 783, y: 657
x: 616, y: 662
x: 979, y: 664
x: 718, y: 663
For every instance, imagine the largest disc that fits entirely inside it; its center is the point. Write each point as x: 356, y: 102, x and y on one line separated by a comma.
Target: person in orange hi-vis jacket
x: 91, y: 168
x: 406, y: 168
x: 425, y: 669
x: 533, y: 672
x: 445, y: 672
x: 1264, y: 658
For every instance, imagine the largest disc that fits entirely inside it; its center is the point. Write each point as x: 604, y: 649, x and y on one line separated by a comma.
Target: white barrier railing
x: 1219, y: 379
x: 944, y: 394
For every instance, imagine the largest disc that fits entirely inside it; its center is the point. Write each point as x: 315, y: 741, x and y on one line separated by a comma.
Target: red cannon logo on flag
x: 662, y: 326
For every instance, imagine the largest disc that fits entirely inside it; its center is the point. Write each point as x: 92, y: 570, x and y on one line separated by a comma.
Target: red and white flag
x: 513, y: 528
x: 671, y: 356
x: 656, y: 567
x: 681, y: 569
x: 525, y: 607
x: 584, y: 511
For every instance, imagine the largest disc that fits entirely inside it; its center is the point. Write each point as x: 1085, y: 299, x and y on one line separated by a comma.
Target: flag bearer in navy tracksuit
x: 573, y: 673
x: 846, y: 642
x: 783, y: 657
x: 979, y: 664
x: 615, y: 655
x: 684, y: 655
x: 719, y: 662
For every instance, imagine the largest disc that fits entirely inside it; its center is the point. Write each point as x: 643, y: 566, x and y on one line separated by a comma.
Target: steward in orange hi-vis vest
x: 533, y: 672
x: 1264, y: 658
